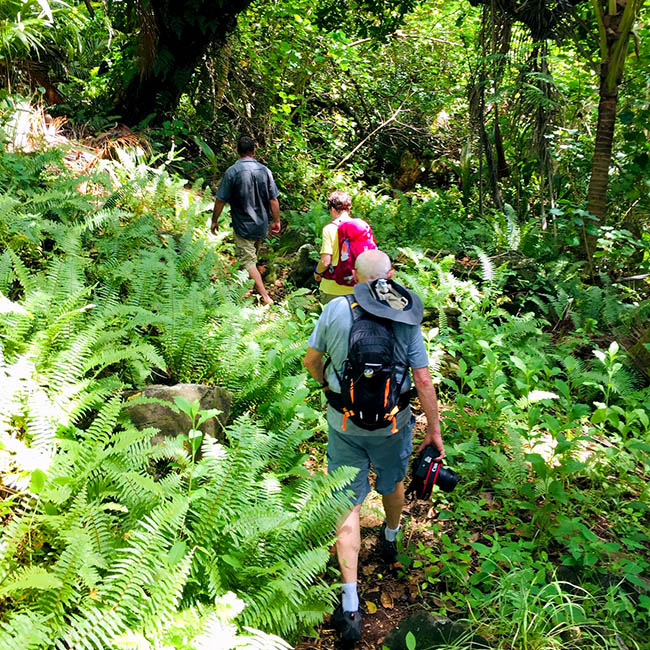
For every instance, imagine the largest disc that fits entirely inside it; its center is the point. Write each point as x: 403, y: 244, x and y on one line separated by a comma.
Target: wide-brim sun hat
x: 387, y: 299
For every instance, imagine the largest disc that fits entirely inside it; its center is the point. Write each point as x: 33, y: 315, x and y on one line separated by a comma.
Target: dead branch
x: 385, y: 123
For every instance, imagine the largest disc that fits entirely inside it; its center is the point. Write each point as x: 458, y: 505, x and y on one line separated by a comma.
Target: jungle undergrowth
x: 552, y: 446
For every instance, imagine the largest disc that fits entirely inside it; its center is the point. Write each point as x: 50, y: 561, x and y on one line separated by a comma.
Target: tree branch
x: 385, y: 123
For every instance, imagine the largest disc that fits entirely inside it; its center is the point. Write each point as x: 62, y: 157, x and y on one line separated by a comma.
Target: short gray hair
x: 371, y: 265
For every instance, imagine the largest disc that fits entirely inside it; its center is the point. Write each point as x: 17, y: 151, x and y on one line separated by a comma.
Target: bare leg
x: 393, y: 504
x: 348, y: 545
x: 259, y: 285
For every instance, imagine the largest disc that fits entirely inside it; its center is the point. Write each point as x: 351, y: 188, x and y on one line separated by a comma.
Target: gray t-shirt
x: 248, y: 186
x: 331, y: 335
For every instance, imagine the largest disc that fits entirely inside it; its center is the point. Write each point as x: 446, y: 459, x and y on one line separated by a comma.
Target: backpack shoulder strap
x: 356, y: 313
x: 355, y: 307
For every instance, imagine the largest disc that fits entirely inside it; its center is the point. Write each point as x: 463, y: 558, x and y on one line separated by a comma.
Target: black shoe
x: 347, y: 624
x: 387, y: 550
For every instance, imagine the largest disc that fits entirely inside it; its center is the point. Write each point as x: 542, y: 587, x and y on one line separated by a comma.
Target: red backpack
x: 355, y: 236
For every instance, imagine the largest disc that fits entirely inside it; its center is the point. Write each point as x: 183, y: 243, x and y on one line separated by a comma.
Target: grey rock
x: 431, y: 631
x: 170, y: 424
x: 302, y: 268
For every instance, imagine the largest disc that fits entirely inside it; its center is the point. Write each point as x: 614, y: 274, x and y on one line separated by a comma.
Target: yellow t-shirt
x: 330, y: 246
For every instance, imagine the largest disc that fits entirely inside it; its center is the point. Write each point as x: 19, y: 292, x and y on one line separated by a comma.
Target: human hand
x: 214, y: 227
x: 434, y: 438
x: 275, y: 228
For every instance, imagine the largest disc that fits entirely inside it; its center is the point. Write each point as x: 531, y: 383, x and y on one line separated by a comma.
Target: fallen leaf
x: 371, y: 607
x: 488, y: 496
x: 368, y: 569
x: 386, y: 600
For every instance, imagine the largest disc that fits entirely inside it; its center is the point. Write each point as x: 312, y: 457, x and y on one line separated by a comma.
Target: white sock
x: 350, y: 600
x: 389, y: 533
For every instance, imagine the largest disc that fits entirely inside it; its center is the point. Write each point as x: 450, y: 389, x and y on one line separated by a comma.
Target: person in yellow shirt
x: 339, y: 204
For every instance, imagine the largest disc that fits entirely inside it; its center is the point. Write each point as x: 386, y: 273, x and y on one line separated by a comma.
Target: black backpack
x: 371, y: 380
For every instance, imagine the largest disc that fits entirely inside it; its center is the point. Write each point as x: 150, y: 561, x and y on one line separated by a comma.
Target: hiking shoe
x: 347, y: 624
x: 387, y: 550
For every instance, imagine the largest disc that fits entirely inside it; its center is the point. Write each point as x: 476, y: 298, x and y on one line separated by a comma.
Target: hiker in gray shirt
x: 387, y: 449
x: 249, y: 187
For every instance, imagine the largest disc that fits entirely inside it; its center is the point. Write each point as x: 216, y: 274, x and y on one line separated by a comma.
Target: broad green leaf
x: 37, y: 482
x: 410, y: 641
x: 599, y: 416
x: 206, y: 415
x: 183, y: 405
x: 556, y: 490
x: 233, y: 561
x: 519, y: 363
x: 176, y: 553
x: 538, y: 463
x: 481, y: 548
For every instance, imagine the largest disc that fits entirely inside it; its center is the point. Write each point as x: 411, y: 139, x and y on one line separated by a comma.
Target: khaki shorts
x: 247, y: 251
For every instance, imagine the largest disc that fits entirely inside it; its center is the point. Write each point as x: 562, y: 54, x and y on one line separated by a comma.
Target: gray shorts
x: 389, y: 456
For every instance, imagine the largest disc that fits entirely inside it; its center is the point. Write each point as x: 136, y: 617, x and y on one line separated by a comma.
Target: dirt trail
x: 387, y: 595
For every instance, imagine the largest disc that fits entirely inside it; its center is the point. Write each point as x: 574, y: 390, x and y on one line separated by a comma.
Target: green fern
x: 487, y: 268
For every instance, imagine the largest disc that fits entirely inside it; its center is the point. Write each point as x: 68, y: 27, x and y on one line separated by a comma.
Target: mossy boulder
x: 431, y: 631
x: 153, y: 412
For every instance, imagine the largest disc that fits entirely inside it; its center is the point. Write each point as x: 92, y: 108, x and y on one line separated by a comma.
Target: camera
x: 428, y: 472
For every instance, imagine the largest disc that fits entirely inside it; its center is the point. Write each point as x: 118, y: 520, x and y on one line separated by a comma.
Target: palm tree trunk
x: 615, y: 23
x: 599, y: 180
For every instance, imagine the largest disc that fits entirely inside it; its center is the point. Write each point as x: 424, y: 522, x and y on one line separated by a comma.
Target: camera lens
x: 447, y: 479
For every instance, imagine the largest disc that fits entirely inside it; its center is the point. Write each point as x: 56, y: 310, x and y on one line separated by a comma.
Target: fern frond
x: 25, y: 631
x: 26, y: 578
x: 487, y: 268
x: 137, y: 565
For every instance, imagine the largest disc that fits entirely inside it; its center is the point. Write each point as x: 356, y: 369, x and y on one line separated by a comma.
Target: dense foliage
x: 468, y: 134
x: 106, y: 534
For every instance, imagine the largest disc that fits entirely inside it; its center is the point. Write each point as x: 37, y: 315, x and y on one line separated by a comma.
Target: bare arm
x: 315, y: 365
x: 429, y: 402
x: 218, y: 207
x: 274, y: 204
x: 322, y: 266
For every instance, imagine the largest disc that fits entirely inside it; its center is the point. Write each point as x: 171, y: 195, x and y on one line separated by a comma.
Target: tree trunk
x: 175, y: 36
x: 597, y: 193
x: 615, y: 23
